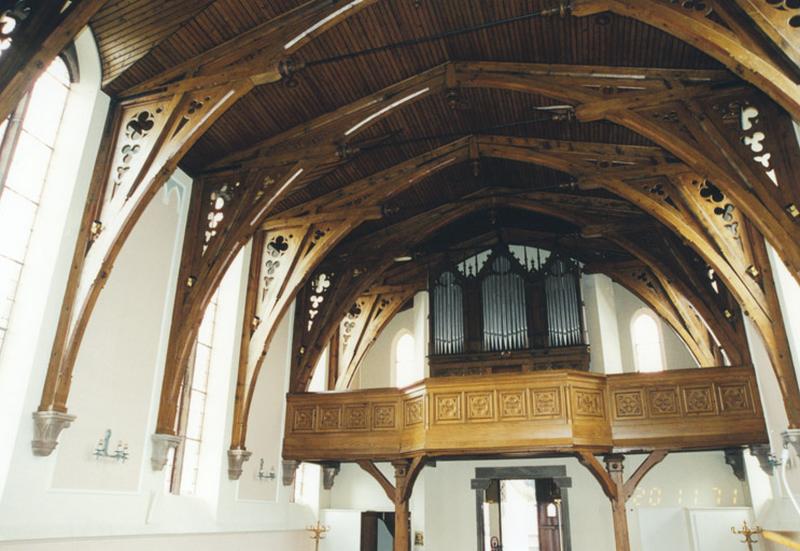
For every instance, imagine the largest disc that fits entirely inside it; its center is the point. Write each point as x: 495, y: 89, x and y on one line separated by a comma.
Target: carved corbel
x: 236, y: 460
x: 329, y: 472
x: 289, y: 470
x: 47, y: 426
x: 734, y: 458
x: 792, y: 437
x: 162, y: 443
x: 766, y: 460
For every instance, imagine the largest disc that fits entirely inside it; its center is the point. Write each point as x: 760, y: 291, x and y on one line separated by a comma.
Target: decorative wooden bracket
x: 406, y: 472
x: 617, y: 489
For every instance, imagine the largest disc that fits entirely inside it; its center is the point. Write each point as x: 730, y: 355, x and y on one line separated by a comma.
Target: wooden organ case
x: 509, y: 309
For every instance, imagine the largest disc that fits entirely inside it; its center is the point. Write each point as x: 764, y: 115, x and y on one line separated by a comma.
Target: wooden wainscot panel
x: 589, y: 411
x: 528, y: 413
x: 686, y: 409
x: 346, y: 425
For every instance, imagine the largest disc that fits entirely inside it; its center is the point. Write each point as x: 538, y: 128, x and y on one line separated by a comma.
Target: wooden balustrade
x: 528, y: 413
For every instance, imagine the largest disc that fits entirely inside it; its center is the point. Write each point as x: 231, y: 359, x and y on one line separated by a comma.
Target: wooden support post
x: 618, y: 491
x: 615, y: 467
x: 406, y: 472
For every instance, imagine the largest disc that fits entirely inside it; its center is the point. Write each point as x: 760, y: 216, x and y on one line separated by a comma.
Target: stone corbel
x: 236, y: 459
x: 162, y: 443
x: 329, y: 472
x: 734, y: 457
x: 766, y: 460
x: 288, y: 470
x: 792, y: 437
x: 47, y: 427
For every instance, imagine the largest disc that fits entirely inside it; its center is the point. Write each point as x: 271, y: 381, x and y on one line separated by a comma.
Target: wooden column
x: 618, y: 491
x: 406, y: 472
x: 615, y: 467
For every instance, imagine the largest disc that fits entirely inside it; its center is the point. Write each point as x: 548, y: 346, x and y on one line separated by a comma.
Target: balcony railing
x: 529, y: 413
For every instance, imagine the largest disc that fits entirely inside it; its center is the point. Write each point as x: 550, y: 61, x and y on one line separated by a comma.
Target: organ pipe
x: 503, y: 282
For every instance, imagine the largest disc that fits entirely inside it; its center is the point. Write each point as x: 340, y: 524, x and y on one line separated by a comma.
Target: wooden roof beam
x: 255, y: 54
x: 695, y: 28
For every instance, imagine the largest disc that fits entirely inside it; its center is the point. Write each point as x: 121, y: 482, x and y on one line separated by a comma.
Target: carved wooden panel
x: 546, y: 402
x: 330, y: 418
x: 480, y: 406
x: 303, y: 419
x: 663, y: 402
x: 513, y: 404
x: 699, y: 400
x: 735, y: 397
x: 356, y: 417
x: 629, y: 404
x: 447, y: 408
x: 384, y: 416
x: 588, y: 403
x: 414, y: 411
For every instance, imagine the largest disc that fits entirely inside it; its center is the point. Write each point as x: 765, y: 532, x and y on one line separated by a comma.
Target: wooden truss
x: 731, y: 141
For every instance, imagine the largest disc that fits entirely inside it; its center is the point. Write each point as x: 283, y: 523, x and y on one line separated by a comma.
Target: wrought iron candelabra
x: 102, y: 450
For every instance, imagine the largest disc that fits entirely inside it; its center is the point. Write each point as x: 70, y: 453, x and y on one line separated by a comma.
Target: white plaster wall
x: 265, y: 428
x: 116, y: 364
x: 676, y: 354
x: 44, y: 277
x: 445, y: 504
x: 601, y: 324
x: 376, y: 369
x: 288, y: 540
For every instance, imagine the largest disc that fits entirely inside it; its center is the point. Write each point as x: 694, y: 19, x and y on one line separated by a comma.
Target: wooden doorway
x: 377, y: 531
x: 522, y: 509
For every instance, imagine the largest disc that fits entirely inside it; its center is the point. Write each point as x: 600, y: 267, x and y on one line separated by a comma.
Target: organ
x: 511, y: 308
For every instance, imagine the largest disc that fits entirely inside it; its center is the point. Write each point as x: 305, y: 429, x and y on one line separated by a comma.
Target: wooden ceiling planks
x: 126, y: 30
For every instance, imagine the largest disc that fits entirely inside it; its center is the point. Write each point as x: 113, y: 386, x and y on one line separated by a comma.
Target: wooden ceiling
x: 140, y: 38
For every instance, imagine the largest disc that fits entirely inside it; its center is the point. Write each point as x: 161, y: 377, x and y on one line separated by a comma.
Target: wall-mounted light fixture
x: 263, y: 475
x: 120, y: 454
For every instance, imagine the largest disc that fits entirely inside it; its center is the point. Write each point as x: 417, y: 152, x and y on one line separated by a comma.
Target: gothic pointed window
x: 27, y: 141
x: 647, y: 344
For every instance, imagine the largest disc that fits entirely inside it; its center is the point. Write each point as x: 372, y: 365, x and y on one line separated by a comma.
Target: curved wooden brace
x: 39, y: 36
x: 145, y: 139
x: 307, y: 337
x: 640, y: 280
x: 689, y: 299
x: 687, y: 23
x: 652, y: 195
x: 774, y: 21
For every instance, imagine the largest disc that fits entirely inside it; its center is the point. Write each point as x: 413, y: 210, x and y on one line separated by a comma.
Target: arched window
x: 27, y: 140
x: 647, y: 344
x: 404, y: 359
